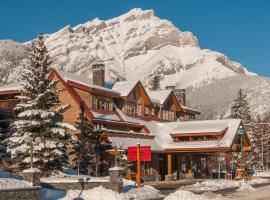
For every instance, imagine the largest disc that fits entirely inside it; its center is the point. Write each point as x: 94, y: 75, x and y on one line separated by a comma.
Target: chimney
x: 98, y: 74
x: 180, y: 94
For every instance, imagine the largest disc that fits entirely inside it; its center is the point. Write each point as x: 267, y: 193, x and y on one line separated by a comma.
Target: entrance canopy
x: 198, y: 136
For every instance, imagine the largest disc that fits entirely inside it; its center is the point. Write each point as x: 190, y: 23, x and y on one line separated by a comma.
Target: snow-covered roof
x: 203, y: 127
x: 162, y: 133
x: 67, y: 76
x: 190, y: 109
x: 106, y: 116
x: 11, y: 86
x: 159, y: 96
x: 124, y: 87
x: 125, y: 142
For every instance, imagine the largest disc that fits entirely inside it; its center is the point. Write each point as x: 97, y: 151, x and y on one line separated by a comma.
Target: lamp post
x: 29, y: 140
x: 240, y: 134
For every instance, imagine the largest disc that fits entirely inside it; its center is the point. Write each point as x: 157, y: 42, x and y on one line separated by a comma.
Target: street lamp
x: 240, y: 133
x: 29, y: 140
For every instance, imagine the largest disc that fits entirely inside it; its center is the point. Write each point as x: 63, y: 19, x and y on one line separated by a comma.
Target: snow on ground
x: 145, y: 192
x: 212, y: 185
x: 97, y: 193
x: 186, y: 195
x: 257, y: 180
x: 10, y: 183
x: 74, y: 179
x: 245, y: 187
x: 263, y: 174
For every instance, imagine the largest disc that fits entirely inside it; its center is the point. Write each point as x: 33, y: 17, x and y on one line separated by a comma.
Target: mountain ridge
x: 135, y: 45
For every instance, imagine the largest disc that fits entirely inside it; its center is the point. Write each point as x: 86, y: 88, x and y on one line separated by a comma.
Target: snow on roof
x: 128, y: 118
x: 82, y: 80
x: 159, y: 96
x: 124, y: 87
x: 106, y: 116
x: 125, y: 142
x: 190, y: 109
x: 203, y: 127
x: 162, y: 132
x: 11, y: 86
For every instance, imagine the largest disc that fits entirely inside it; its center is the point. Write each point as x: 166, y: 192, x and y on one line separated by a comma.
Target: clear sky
x: 238, y: 28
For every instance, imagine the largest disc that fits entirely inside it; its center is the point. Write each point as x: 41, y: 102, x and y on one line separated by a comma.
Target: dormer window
x: 101, y: 103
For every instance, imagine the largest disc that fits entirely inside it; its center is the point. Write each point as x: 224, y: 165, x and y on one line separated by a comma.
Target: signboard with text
x: 145, y: 153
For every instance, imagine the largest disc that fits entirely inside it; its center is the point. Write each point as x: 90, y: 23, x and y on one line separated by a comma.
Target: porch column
x: 190, y: 166
x: 169, y: 162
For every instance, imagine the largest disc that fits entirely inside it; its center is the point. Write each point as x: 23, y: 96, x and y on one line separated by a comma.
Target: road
x: 262, y: 193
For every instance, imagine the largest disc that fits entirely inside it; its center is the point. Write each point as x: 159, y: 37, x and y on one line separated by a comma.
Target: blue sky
x: 238, y: 28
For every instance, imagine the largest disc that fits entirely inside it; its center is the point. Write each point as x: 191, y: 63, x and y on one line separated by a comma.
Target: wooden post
x: 138, y: 165
x: 115, y: 156
x: 169, y: 164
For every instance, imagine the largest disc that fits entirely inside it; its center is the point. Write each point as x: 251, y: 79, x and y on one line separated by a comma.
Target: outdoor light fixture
x: 29, y: 140
x: 240, y: 133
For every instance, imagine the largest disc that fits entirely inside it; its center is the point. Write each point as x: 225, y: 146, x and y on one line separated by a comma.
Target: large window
x: 101, y: 103
x: 134, y: 109
x: 168, y: 115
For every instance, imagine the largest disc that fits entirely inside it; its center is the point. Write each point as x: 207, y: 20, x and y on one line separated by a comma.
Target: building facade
x: 128, y: 114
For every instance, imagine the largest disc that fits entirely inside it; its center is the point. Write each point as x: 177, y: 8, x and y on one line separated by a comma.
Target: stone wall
x: 83, y: 185
x: 32, y: 193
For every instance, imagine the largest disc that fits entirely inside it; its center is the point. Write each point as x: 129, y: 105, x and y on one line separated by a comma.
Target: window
x: 168, y: 115
x: 101, y: 103
x: 134, y: 109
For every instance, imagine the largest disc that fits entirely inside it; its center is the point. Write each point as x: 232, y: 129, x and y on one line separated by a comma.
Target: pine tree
x: 38, y: 122
x: 155, y: 83
x: 240, y: 108
x: 83, y: 152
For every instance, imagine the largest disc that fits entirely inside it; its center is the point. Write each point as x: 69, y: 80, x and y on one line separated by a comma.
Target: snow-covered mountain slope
x: 135, y: 45
x: 140, y: 46
x: 215, y: 100
x: 12, y: 59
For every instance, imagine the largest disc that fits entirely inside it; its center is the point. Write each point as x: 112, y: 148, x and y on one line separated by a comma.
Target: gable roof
x: 124, y: 87
x: 159, y: 96
x: 83, y: 80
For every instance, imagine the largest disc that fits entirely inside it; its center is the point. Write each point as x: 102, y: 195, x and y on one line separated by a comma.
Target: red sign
x: 145, y: 153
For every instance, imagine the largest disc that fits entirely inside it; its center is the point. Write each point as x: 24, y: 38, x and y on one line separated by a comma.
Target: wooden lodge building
x: 128, y: 114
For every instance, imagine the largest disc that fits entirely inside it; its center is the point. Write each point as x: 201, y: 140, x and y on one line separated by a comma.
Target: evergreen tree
x: 155, y: 83
x: 240, y: 108
x: 83, y: 152
x: 38, y: 122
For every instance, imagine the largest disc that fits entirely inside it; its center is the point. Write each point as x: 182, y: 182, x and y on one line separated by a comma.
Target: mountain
x: 135, y: 45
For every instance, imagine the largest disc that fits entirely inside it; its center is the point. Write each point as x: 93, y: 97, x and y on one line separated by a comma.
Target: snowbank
x: 245, y: 187
x: 263, y: 174
x: 212, y: 185
x: 10, y: 183
x: 258, y: 181
x: 98, y: 193
x: 74, y: 179
x: 145, y: 192
x: 186, y: 195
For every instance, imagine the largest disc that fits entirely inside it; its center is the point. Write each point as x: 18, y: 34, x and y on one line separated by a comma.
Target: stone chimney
x: 98, y: 74
x: 180, y: 94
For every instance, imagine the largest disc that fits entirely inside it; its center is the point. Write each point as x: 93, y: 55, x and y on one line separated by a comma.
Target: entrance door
x: 161, y: 167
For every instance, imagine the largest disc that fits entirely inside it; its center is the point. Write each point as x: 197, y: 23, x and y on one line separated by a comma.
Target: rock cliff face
x: 135, y: 45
